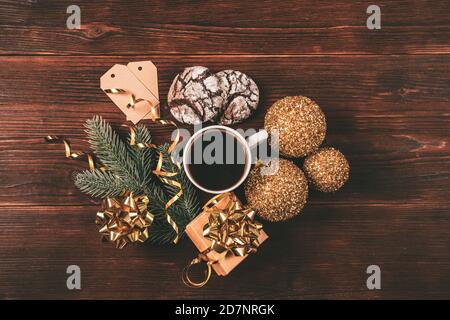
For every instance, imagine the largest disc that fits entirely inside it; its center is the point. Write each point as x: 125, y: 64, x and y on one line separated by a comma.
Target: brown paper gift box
x: 195, y: 232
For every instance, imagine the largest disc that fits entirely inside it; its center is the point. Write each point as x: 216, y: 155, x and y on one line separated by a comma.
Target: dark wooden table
x: 385, y: 94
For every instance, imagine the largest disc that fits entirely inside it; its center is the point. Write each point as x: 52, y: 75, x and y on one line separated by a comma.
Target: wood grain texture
x: 248, y: 27
x: 385, y: 94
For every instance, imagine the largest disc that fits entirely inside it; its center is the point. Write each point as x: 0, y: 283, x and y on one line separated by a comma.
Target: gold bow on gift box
x: 125, y: 220
x: 230, y: 230
x: 233, y: 229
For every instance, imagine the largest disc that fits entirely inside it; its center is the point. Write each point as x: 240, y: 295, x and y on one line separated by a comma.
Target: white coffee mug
x: 247, y: 145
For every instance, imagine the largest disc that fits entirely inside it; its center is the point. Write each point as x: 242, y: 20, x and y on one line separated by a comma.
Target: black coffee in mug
x: 216, y: 159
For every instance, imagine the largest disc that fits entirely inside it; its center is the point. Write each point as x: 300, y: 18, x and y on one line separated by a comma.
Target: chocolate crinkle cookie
x: 196, y: 95
x: 241, y: 96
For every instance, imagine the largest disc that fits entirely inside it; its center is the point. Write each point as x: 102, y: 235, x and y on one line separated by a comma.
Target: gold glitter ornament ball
x: 280, y: 196
x: 301, y: 125
x: 327, y: 169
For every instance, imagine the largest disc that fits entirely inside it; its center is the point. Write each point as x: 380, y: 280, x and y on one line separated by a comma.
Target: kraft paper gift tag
x: 134, y: 89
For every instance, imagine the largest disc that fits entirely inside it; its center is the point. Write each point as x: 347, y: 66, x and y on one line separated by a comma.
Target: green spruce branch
x: 189, y: 200
x: 183, y: 210
x: 99, y: 183
x: 130, y: 168
x: 114, y: 153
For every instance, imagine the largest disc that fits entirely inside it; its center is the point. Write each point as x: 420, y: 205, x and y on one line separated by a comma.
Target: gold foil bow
x: 125, y: 220
x: 232, y: 230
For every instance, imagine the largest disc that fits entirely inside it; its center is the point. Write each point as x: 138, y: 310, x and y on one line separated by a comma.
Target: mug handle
x: 257, y: 138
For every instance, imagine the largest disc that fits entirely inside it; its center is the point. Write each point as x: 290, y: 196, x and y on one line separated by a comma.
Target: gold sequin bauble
x: 301, y: 125
x: 327, y: 169
x: 279, y: 196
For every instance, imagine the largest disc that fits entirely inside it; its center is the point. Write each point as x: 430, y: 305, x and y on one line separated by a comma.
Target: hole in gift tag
x: 140, y: 68
x: 113, y: 75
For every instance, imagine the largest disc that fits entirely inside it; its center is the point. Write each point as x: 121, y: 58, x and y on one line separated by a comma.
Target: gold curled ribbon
x: 163, y: 175
x: 202, y: 257
x: 133, y: 101
x: 125, y: 220
x: 231, y: 229
x: 69, y: 153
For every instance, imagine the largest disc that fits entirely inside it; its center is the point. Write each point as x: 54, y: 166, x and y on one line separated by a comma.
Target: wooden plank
x: 248, y: 14
x: 345, y: 83
x: 322, y: 253
x: 250, y: 27
x: 37, y: 174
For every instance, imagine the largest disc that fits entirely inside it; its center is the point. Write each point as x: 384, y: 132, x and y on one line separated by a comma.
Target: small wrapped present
x: 224, y: 233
